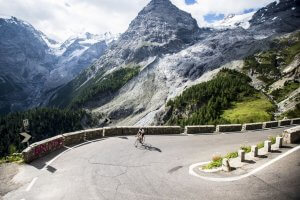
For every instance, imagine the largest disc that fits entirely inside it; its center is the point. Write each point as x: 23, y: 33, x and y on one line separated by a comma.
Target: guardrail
x: 47, y: 146
x: 200, y: 129
x: 44, y: 147
x: 292, y: 135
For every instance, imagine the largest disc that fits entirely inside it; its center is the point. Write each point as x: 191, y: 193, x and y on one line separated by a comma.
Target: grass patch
x: 247, y: 149
x: 215, y: 163
x: 16, y: 158
x: 294, y: 113
x: 272, y: 139
x: 260, y: 145
x: 250, y: 110
x: 232, y: 155
x: 204, y: 103
x: 281, y: 93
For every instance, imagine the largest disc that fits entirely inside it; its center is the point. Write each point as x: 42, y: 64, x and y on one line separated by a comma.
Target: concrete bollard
x: 279, y: 141
x: 242, y: 155
x: 267, y: 146
x: 254, y: 151
x: 225, y: 165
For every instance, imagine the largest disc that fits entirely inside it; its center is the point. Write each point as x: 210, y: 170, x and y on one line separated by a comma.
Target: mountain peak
x: 161, y: 21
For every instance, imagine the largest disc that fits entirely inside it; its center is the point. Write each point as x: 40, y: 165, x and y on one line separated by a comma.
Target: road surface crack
x: 273, y: 187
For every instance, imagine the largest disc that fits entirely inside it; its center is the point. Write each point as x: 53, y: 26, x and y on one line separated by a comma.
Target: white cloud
x: 204, y: 7
x: 60, y: 19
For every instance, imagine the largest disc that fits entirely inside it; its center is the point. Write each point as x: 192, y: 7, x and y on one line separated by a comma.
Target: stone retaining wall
x: 162, y: 130
x: 129, y: 130
x: 149, y: 130
x: 93, y: 134
x: 296, y: 121
x: 200, y: 129
x: 271, y: 124
x: 229, y: 128
x: 252, y: 126
x: 292, y: 135
x: 285, y: 122
x: 45, y: 147
x: 42, y: 148
x: 74, y: 137
x: 112, y: 131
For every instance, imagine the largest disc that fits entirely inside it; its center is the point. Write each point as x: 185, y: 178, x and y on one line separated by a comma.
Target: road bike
x: 139, y: 140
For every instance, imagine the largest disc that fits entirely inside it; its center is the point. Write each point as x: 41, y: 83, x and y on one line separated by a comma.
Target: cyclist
x: 141, y: 135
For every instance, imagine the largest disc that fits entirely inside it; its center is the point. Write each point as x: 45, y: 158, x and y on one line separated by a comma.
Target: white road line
x: 31, y: 184
x: 235, y: 178
x: 68, y: 149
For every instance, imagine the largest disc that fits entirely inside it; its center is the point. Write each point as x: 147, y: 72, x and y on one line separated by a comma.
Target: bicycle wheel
x: 136, y: 142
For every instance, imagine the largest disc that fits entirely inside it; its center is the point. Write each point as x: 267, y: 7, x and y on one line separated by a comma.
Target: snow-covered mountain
x: 171, y: 53
x: 234, y: 21
x: 75, y: 54
x: 31, y: 64
x: 25, y: 61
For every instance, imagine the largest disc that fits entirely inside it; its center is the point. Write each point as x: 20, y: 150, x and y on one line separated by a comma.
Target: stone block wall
x: 112, y: 131
x: 296, y: 121
x: 93, y: 134
x: 286, y: 122
x: 129, y: 130
x: 271, y: 124
x: 229, y: 128
x: 43, y: 148
x: 252, y: 126
x: 163, y: 130
x: 74, y: 137
x: 200, y: 129
x: 292, y: 135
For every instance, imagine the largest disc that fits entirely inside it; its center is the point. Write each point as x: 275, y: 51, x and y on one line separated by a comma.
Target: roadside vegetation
x: 77, y: 93
x: 13, y: 156
x: 282, y: 93
x: 217, y: 159
x: 223, y: 100
x: 247, y: 149
x: 215, y: 163
x: 250, y: 110
x: 105, y: 86
x: 294, y: 113
x: 268, y: 64
x: 265, y: 65
x: 44, y: 123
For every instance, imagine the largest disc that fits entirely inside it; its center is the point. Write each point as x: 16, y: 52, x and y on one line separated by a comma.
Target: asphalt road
x: 114, y: 169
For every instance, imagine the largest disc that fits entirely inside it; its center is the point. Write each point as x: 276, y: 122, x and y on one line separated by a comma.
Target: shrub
x: 216, y: 158
x: 247, y: 149
x: 16, y: 157
x: 215, y: 163
x: 260, y: 145
x: 272, y: 139
x: 232, y: 155
x: 12, y: 149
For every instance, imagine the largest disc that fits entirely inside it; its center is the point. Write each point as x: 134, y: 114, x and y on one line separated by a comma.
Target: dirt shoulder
x: 7, y: 172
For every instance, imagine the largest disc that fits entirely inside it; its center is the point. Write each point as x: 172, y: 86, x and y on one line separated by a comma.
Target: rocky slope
x: 172, y: 53
x: 31, y: 64
x: 25, y: 61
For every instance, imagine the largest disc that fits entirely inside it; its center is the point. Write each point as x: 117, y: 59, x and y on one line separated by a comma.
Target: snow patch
x: 233, y: 21
x: 5, y: 17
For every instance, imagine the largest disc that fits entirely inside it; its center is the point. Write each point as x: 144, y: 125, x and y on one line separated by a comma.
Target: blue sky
x: 189, y: 2
x: 212, y: 17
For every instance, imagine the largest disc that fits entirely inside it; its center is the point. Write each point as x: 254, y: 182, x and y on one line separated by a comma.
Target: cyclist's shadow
x: 149, y: 147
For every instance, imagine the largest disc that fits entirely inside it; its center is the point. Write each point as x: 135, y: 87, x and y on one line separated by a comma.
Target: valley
x: 164, y: 69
